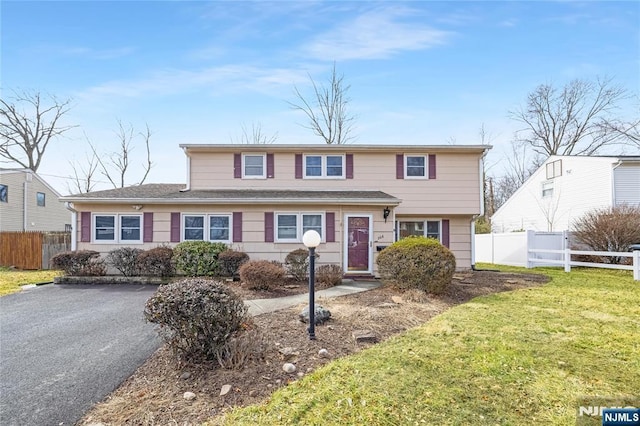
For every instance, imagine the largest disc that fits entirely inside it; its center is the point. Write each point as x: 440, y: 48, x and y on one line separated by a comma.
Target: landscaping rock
x: 225, y: 390
x: 364, y: 336
x: 288, y: 353
x: 289, y: 368
x: 189, y: 396
x: 323, y: 353
x: 321, y: 315
x: 397, y: 299
x: 186, y: 375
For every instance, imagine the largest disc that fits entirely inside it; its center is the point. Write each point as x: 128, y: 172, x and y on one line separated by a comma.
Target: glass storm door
x: 358, y: 246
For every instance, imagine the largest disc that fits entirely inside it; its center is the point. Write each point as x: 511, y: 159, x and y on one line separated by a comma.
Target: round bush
x: 198, y: 258
x: 329, y: 275
x: 297, y: 264
x: 79, y: 263
x: 262, y: 274
x: 125, y: 260
x: 230, y: 261
x: 197, y: 317
x: 157, y: 262
x: 417, y: 262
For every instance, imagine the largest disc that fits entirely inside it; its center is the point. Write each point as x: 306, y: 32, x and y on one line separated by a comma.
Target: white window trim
x: 298, y: 239
x: 424, y: 226
x: 264, y: 165
x: 547, y: 185
x: 117, y: 229
x: 426, y: 167
x: 207, y: 228
x: 323, y: 166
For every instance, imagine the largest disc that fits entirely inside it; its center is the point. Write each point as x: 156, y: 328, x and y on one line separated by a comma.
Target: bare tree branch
x: 569, y: 121
x: 327, y: 113
x: 255, y: 135
x: 28, y: 125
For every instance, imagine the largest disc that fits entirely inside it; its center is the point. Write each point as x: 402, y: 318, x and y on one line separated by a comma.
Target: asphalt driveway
x: 63, y: 348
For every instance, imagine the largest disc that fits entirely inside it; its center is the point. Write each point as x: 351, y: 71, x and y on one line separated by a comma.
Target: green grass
x: 12, y: 280
x: 522, y: 357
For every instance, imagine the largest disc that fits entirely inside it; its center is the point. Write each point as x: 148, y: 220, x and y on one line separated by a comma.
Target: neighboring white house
x: 28, y: 203
x: 566, y: 187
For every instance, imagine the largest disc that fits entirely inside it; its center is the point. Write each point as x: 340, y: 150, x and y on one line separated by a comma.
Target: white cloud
x: 101, y: 54
x: 375, y: 34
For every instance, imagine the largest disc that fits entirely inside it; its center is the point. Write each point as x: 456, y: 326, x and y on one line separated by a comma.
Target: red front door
x: 358, y: 243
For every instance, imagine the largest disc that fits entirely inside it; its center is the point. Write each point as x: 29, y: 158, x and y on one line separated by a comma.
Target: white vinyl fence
x: 531, y: 249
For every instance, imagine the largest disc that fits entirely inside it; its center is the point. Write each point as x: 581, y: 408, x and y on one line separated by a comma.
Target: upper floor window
x: 40, y: 199
x: 423, y: 228
x: 113, y: 228
x: 290, y: 227
x: 4, y: 193
x: 415, y: 166
x: 324, y: 166
x: 547, y: 189
x: 253, y: 166
x: 211, y: 227
x: 554, y: 169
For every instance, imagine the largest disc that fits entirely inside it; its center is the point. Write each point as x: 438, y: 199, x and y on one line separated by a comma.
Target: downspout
x: 474, y: 217
x: 613, y: 183
x: 24, y: 206
x: 188, y: 187
x: 74, y: 222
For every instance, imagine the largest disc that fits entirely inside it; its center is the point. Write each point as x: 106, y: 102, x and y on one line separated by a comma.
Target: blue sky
x: 196, y: 72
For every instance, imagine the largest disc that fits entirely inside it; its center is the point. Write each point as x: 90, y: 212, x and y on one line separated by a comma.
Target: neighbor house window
x: 253, y: 166
x: 554, y: 169
x: 415, y: 166
x: 217, y: 228
x: 547, y: 189
x: 290, y: 227
x: 4, y: 193
x: 40, y: 198
x: 423, y: 228
x: 115, y: 228
x: 324, y: 166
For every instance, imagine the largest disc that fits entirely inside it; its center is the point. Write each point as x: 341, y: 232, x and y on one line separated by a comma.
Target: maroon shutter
x: 268, y: 227
x: 330, y: 219
x: 270, y: 168
x: 445, y: 232
x: 349, y: 160
x: 298, y: 166
x: 399, y: 166
x: 175, y: 227
x: 237, y: 166
x: 237, y: 227
x: 432, y: 166
x: 147, y: 235
x: 85, y: 227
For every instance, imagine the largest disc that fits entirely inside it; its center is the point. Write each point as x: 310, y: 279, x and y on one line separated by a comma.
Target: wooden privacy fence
x: 32, y: 250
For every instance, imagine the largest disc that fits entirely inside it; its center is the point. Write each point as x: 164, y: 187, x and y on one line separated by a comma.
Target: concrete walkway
x: 262, y: 306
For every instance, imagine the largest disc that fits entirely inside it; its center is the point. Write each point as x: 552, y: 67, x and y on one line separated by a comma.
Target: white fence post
x: 567, y: 260
x: 530, y: 235
x: 636, y: 265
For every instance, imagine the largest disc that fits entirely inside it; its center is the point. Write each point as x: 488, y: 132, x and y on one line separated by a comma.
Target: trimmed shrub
x: 417, y: 262
x: 157, y: 262
x: 329, y: 275
x: 198, y: 258
x: 79, y: 263
x: 262, y: 274
x: 125, y: 260
x: 297, y: 264
x: 197, y: 317
x: 230, y: 262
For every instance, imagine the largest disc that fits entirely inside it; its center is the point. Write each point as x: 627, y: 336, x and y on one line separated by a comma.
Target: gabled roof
x: 160, y: 193
x: 32, y: 173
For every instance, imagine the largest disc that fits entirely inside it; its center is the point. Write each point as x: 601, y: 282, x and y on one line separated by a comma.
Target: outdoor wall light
x: 311, y: 239
x: 136, y: 207
x: 385, y: 213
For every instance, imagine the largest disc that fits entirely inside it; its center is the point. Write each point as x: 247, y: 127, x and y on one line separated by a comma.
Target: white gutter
x: 74, y: 221
x: 613, y: 183
x: 341, y: 201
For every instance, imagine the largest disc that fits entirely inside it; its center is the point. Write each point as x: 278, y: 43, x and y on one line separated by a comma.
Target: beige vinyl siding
x: 52, y: 217
x: 456, y: 189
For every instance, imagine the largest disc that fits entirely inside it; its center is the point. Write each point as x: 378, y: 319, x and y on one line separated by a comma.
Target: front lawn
x: 11, y: 280
x: 523, y: 357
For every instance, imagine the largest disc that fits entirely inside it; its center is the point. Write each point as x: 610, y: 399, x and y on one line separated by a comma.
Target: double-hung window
x: 114, y: 228
x: 253, y: 166
x: 415, y: 166
x: 40, y: 199
x: 212, y: 227
x: 423, y: 228
x: 290, y: 227
x: 547, y: 189
x: 4, y: 190
x: 324, y: 166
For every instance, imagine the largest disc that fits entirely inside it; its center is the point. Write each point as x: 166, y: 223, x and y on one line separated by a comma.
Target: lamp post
x: 311, y: 239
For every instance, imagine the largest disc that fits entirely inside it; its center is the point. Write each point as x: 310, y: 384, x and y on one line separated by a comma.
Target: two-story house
x: 262, y: 198
x: 566, y: 187
x: 28, y: 203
